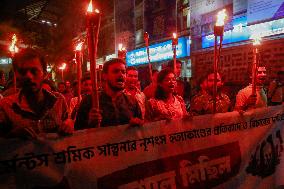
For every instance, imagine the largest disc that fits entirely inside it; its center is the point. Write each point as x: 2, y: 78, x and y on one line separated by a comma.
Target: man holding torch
x: 246, y: 100
x: 116, y: 107
x: 253, y: 96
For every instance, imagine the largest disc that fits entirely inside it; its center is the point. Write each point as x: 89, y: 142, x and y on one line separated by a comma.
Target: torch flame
x: 146, y: 36
x: 79, y: 46
x: 120, y: 47
x: 174, y: 35
x: 221, y: 16
x: 13, y: 48
x: 63, y: 66
x: 90, y: 7
x: 256, y: 39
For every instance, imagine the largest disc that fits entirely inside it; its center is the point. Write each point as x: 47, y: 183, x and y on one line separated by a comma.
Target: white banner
x: 211, y: 151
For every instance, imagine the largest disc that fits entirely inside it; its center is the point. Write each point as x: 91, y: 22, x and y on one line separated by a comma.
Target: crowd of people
x: 38, y: 106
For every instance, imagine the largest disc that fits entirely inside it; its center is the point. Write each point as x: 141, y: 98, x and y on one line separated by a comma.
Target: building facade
x: 194, y: 20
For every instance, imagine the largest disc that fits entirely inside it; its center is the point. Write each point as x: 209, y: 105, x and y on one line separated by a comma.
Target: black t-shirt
x: 114, y: 113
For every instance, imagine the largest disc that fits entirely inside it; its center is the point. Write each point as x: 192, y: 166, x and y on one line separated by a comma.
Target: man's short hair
x: 111, y: 62
x: 29, y: 54
x: 207, y: 73
x: 171, y: 63
x: 131, y: 68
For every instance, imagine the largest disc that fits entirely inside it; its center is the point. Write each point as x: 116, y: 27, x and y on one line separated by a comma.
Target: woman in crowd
x: 166, y: 104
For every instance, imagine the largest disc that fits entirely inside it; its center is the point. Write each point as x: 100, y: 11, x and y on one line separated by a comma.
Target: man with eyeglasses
x: 32, y: 110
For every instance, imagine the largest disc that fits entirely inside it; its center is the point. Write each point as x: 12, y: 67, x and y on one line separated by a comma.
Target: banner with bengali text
x: 212, y: 151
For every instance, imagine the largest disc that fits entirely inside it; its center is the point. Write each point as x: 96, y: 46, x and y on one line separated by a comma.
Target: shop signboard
x: 241, y: 31
x: 158, y: 52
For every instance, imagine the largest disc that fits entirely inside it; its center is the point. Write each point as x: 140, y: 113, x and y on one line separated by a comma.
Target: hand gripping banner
x: 212, y: 151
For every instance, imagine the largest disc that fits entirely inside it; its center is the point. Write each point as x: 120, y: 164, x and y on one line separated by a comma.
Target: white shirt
x: 243, y: 95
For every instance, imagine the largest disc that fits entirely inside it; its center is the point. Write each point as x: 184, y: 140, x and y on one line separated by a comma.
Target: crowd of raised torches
x: 93, y: 18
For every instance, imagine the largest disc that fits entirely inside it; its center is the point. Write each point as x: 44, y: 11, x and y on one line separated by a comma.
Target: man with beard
x: 245, y: 100
x: 202, y: 102
x: 132, y: 88
x: 116, y: 107
x: 33, y: 110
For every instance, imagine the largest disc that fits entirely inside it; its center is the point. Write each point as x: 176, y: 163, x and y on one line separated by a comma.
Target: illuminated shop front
x: 160, y: 54
x: 241, y: 32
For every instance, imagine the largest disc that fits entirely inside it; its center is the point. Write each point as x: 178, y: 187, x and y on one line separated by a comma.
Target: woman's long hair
x: 160, y: 93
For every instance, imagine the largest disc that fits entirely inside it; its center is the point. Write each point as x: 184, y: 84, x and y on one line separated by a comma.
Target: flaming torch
x: 121, y: 51
x: 62, y: 68
x: 256, y: 42
x: 146, y: 39
x: 14, y: 49
x: 174, y: 47
x: 218, y: 31
x: 93, y: 25
x: 78, y: 56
